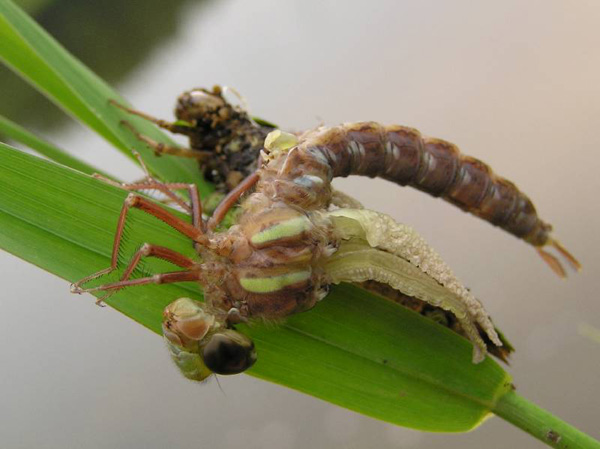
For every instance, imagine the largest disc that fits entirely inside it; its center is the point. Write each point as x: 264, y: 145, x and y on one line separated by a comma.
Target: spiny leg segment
x: 147, y: 250
x: 162, y: 148
x: 159, y: 147
x: 229, y: 201
x: 150, y: 183
x: 162, y: 278
x: 169, y: 126
x: 160, y: 252
x: 194, y: 231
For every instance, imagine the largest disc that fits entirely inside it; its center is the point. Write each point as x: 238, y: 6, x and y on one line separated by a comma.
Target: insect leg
x: 192, y: 231
x: 231, y: 198
x: 150, y: 183
x: 163, y: 278
x: 147, y: 250
x: 167, y: 189
x: 162, y: 148
x: 195, y: 209
x: 172, y: 127
x: 160, y: 252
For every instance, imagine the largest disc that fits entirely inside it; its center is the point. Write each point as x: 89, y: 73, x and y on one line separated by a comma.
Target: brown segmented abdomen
x: 401, y: 155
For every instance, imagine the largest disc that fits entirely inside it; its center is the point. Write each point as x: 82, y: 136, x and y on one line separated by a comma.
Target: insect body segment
x: 401, y: 155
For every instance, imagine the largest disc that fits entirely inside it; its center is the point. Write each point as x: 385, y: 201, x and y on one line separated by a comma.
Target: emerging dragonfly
x: 295, y: 235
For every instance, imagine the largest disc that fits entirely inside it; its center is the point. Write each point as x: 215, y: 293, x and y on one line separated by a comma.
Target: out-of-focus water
x: 512, y: 83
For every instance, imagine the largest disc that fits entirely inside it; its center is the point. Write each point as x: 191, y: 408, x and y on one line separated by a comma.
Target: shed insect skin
x: 222, y: 137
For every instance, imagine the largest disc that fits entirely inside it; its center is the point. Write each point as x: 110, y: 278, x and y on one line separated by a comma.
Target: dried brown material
x: 223, y: 137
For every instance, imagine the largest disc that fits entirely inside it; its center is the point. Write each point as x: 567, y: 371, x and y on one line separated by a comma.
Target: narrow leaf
x: 36, y: 56
x: 17, y: 133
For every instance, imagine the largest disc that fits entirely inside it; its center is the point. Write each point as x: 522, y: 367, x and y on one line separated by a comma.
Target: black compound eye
x: 229, y: 352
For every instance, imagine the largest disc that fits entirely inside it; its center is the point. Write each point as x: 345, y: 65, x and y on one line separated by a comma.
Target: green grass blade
x: 17, y: 133
x: 37, y: 57
x: 354, y: 349
x: 541, y: 424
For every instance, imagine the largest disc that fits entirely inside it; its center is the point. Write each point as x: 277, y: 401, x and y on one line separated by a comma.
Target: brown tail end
x: 554, y: 262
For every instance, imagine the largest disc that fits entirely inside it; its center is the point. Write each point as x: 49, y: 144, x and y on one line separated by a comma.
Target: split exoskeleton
x: 295, y: 236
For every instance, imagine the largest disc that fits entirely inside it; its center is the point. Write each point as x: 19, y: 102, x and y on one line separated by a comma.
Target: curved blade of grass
x: 37, y: 57
x: 354, y: 349
x: 19, y: 134
x: 541, y: 424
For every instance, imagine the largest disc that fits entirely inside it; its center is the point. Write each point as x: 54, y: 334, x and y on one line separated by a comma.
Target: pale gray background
x: 513, y: 83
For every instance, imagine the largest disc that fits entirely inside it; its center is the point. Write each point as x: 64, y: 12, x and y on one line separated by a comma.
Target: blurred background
x: 512, y: 83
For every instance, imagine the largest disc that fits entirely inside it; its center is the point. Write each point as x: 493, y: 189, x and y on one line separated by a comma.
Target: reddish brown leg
x: 160, y: 252
x: 164, y: 278
x: 150, y: 183
x: 231, y: 198
x: 147, y: 250
x: 194, y: 232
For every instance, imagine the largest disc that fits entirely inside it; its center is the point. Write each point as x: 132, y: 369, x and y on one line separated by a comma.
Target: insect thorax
x: 274, y: 259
